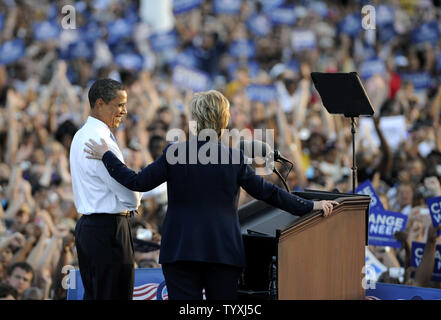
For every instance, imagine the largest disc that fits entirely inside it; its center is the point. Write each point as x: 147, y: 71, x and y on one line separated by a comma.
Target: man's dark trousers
x: 105, y: 256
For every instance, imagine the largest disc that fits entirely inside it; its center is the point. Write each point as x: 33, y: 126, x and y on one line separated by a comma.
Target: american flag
x: 149, y: 292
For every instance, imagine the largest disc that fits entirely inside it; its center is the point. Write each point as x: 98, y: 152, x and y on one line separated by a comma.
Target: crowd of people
x: 260, y: 55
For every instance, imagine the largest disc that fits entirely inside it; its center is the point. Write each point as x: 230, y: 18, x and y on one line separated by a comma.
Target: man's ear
x: 99, y: 103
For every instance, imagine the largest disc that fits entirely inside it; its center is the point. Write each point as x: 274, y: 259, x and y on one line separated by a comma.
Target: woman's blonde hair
x: 211, y: 110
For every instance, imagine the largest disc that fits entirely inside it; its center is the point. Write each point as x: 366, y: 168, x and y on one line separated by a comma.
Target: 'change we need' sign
x: 434, y: 205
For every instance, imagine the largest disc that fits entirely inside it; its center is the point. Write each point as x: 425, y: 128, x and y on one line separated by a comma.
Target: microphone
x: 257, y: 148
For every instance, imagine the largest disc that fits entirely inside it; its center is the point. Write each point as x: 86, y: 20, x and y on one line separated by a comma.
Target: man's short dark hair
x: 22, y: 265
x: 6, y: 290
x: 105, y: 89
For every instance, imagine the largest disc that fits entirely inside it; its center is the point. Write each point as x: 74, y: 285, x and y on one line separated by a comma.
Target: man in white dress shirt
x: 102, y: 235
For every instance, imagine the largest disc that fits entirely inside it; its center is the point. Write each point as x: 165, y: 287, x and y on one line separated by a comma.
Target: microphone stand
x: 280, y: 159
x: 281, y: 178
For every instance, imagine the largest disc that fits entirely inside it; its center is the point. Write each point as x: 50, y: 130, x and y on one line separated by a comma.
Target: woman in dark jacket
x: 201, y: 245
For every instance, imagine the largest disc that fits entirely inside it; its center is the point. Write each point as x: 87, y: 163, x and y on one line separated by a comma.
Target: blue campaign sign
x: 186, y: 58
x: 388, y: 291
x: 259, y: 24
x: 149, y: 284
x: 293, y: 65
x: 80, y: 49
x: 318, y: 7
x: 227, y: 6
x: 269, y: 5
x: 80, y: 6
x: 303, y: 39
x: 417, y: 251
x: 162, y: 41
x: 101, y: 4
x: 52, y: 12
x: 91, y: 32
x: 262, y: 93
x: 420, y: 80
x: 386, y: 32
x: 193, y: 79
x: 118, y: 29
x: 434, y: 205
x: 181, y: 6
x: 384, y: 15
x: 372, y: 67
x: 428, y: 31
x: 129, y: 61
x: 242, y: 48
x: 46, y: 31
x: 382, y: 227
x: 11, y: 51
x: 366, y: 188
x: 283, y: 15
x: 351, y: 24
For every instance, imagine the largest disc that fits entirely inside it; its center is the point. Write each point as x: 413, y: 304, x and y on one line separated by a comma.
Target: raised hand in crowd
x: 424, y: 271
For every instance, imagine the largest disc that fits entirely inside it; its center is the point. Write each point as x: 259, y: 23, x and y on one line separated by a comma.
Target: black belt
x: 125, y: 213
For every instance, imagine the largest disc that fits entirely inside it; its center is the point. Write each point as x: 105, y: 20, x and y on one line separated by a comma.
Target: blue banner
x: 303, y: 40
x: 262, y: 93
x: 149, y: 285
x: 162, y: 41
x: 384, y: 15
x: 2, y: 20
x: 293, y: 65
x: 242, y: 48
x: 382, y: 227
x: 417, y: 251
x: 283, y: 15
x: 428, y: 31
x: 187, y: 78
x: 434, y: 205
x: 11, y: 51
x: 52, y: 12
x: 91, y: 32
x: 351, y: 25
x: 372, y: 67
x: 388, y: 291
x: 119, y: 29
x: 186, y: 58
x: 420, y: 80
x: 181, y: 6
x: 46, y: 30
x: 386, y: 33
x: 318, y: 7
x: 366, y: 188
x: 260, y: 25
x: 269, y: 5
x: 130, y: 61
x: 227, y: 6
x: 80, y: 49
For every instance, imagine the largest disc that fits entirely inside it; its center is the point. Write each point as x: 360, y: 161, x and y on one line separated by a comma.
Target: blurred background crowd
x: 260, y: 55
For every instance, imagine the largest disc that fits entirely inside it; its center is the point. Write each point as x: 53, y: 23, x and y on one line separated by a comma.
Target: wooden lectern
x: 308, y: 257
